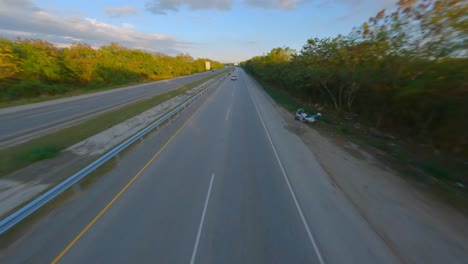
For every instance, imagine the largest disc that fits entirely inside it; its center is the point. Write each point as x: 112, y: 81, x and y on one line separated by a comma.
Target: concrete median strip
x: 14, y: 193
x: 109, y: 138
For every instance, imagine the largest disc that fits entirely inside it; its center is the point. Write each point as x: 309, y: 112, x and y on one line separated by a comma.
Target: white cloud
x: 17, y: 33
x: 161, y: 7
x: 23, y: 18
x: 275, y: 4
x: 128, y: 26
x: 72, y: 38
x: 19, y: 4
x: 119, y: 11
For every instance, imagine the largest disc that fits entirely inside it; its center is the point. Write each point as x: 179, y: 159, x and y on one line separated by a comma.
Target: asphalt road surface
x: 232, y: 185
x: 23, y: 122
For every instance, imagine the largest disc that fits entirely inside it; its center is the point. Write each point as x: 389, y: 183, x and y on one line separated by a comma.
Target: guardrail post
x: 141, y: 140
x: 117, y: 158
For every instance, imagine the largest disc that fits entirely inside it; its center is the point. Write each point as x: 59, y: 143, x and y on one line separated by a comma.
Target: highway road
x: 231, y: 185
x: 23, y: 122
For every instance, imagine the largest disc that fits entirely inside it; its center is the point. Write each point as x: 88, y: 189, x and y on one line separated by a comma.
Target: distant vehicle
x: 233, y: 78
x: 212, y: 70
x: 302, y: 116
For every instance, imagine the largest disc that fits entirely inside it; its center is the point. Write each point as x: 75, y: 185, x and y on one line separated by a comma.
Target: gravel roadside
x: 416, y: 226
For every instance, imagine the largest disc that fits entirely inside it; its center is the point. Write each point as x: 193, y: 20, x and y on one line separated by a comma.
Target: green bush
x: 31, y: 89
x: 34, y: 68
x: 42, y: 153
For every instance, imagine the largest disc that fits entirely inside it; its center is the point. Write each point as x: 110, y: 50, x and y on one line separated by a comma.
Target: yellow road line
x: 73, y: 242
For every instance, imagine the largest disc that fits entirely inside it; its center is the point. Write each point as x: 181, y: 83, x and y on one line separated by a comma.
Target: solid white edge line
x: 227, y: 115
x: 304, y: 221
x: 195, y: 248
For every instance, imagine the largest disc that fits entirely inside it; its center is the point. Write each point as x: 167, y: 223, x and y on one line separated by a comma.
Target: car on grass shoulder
x: 302, y: 116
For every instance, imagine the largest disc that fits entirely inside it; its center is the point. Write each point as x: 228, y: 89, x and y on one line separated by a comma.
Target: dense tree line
x: 32, y: 68
x: 404, y: 72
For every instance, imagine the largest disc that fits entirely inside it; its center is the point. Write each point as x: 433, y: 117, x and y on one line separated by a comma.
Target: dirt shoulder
x: 410, y: 221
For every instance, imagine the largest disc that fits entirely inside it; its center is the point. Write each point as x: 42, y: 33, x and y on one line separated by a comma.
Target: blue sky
x: 223, y: 30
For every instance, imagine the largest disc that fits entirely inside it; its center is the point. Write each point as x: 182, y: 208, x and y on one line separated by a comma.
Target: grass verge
x: 48, y: 146
x: 281, y: 99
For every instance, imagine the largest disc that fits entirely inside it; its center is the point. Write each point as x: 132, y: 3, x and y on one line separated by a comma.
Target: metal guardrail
x: 16, y: 217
